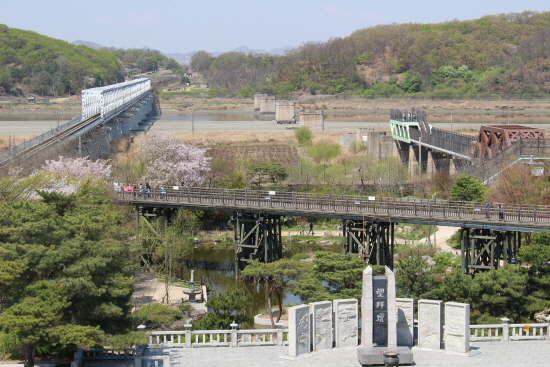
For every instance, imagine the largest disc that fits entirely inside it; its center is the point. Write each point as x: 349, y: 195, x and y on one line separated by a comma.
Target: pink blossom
x: 172, y: 162
x: 80, y: 168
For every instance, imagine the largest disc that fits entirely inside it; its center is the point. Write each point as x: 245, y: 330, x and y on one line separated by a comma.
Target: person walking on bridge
x: 487, y: 207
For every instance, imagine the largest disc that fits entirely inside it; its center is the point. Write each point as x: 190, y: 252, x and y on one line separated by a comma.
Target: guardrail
x: 342, y: 204
x: 509, y: 332
x: 216, y: 338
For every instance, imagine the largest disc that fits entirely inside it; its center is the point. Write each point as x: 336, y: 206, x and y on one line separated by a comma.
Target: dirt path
x: 149, y: 289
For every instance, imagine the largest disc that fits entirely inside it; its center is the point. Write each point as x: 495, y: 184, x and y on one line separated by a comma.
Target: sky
x: 181, y: 26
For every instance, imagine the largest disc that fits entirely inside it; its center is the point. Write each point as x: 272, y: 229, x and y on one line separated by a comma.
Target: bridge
x: 427, y: 149
x: 107, y: 113
x: 368, y: 222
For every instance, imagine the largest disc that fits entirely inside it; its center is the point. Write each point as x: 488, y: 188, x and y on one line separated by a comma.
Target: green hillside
x: 33, y: 63
x: 506, y: 54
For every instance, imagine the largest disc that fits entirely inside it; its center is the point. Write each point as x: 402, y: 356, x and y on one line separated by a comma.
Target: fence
x: 506, y: 332
x: 336, y: 205
x: 216, y: 338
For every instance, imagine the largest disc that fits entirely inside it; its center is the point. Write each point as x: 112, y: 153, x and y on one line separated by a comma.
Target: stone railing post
x: 234, y: 342
x: 505, y: 329
x: 547, y: 327
x: 188, y: 336
x: 279, y: 333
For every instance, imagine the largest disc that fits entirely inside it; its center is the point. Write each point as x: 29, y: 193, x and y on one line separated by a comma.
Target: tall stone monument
x: 379, y: 325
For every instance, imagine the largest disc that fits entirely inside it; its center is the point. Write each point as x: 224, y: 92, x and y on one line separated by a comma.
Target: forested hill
x: 33, y: 63
x: 502, y: 54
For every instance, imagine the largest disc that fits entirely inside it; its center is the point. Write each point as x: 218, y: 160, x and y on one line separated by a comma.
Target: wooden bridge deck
x: 517, y: 217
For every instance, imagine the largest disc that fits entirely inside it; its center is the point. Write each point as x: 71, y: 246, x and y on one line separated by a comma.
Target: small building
x: 31, y: 98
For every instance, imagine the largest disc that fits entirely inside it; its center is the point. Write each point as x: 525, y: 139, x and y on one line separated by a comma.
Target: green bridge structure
x: 368, y: 222
x: 426, y: 149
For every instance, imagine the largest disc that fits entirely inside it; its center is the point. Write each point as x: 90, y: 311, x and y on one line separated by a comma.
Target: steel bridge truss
x: 372, y: 240
x: 257, y: 236
x: 487, y: 249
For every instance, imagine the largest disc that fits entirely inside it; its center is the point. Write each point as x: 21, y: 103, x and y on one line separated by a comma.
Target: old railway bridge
x: 368, y: 222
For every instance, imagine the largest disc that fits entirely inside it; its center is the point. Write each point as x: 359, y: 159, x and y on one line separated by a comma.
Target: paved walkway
x: 519, y: 353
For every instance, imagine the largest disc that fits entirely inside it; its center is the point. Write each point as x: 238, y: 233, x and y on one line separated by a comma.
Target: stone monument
x: 321, y: 327
x: 457, y: 327
x: 405, y: 321
x: 345, y: 322
x: 430, y: 324
x: 379, y: 325
x: 299, y: 325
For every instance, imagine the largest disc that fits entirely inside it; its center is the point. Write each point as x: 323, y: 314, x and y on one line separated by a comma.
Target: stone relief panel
x: 346, y: 322
x: 322, y: 325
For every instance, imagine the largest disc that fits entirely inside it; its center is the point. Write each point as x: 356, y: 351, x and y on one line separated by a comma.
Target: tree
x: 79, y: 167
x: 412, y: 82
x: 201, y: 61
x: 303, y: 134
x: 468, y: 188
x: 171, y: 162
x: 414, y: 277
x: 66, y: 275
x: 280, y: 276
x: 266, y: 172
x: 323, y: 152
x: 334, y: 276
x: 536, y: 258
x: 226, y: 308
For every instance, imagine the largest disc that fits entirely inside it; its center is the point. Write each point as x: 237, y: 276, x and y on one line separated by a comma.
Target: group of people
x: 500, y: 211
x: 145, y: 191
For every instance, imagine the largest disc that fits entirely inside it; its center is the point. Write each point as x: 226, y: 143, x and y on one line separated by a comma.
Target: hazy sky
x: 221, y: 25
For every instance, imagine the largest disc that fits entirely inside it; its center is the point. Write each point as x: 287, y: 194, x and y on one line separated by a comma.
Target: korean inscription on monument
x: 380, y: 310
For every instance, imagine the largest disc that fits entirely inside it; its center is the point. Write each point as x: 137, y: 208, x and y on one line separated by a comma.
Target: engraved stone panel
x: 321, y: 327
x: 430, y: 326
x: 346, y: 322
x: 457, y: 327
x: 299, y: 330
x: 405, y: 321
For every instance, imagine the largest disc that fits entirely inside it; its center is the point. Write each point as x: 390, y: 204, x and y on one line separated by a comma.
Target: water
x: 215, y: 266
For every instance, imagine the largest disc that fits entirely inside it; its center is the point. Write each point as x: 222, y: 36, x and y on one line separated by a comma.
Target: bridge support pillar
x: 486, y: 249
x: 257, y: 236
x: 373, y: 241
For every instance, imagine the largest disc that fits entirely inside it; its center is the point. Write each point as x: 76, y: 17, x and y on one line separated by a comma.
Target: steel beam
x: 372, y: 240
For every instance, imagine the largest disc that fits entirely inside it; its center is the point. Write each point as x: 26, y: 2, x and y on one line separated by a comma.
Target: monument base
x: 370, y: 356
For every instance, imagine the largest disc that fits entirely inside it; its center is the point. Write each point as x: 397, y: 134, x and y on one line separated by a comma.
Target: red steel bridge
x: 368, y: 222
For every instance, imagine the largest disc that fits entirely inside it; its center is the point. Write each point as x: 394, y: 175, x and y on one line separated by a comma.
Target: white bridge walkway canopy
x: 108, y: 100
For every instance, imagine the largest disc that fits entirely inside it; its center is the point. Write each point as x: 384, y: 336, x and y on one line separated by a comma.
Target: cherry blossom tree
x: 172, y: 162
x: 79, y: 167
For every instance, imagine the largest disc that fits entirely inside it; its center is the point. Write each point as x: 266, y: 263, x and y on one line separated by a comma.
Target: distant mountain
x: 87, y: 43
x: 181, y: 57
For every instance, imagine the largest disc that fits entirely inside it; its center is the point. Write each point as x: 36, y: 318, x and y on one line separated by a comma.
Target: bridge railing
x: 446, y: 140
x: 353, y: 204
x: 36, y: 141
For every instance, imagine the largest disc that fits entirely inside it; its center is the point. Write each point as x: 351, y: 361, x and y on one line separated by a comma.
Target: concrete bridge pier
x: 373, y: 241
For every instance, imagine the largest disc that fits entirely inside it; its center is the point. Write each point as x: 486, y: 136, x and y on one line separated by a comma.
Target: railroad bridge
x: 426, y: 149
x: 368, y: 222
x: 107, y: 113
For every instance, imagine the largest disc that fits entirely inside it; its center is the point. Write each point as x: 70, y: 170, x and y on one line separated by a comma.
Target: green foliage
x: 226, y: 308
x: 334, y: 276
x: 304, y: 135
x: 266, y: 173
x: 11, y: 345
x: 414, y: 277
x: 323, y: 153
x: 64, y: 274
x: 156, y: 315
x: 123, y: 342
x: 412, y: 82
x: 468, y: 188
x: 536, y: 256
